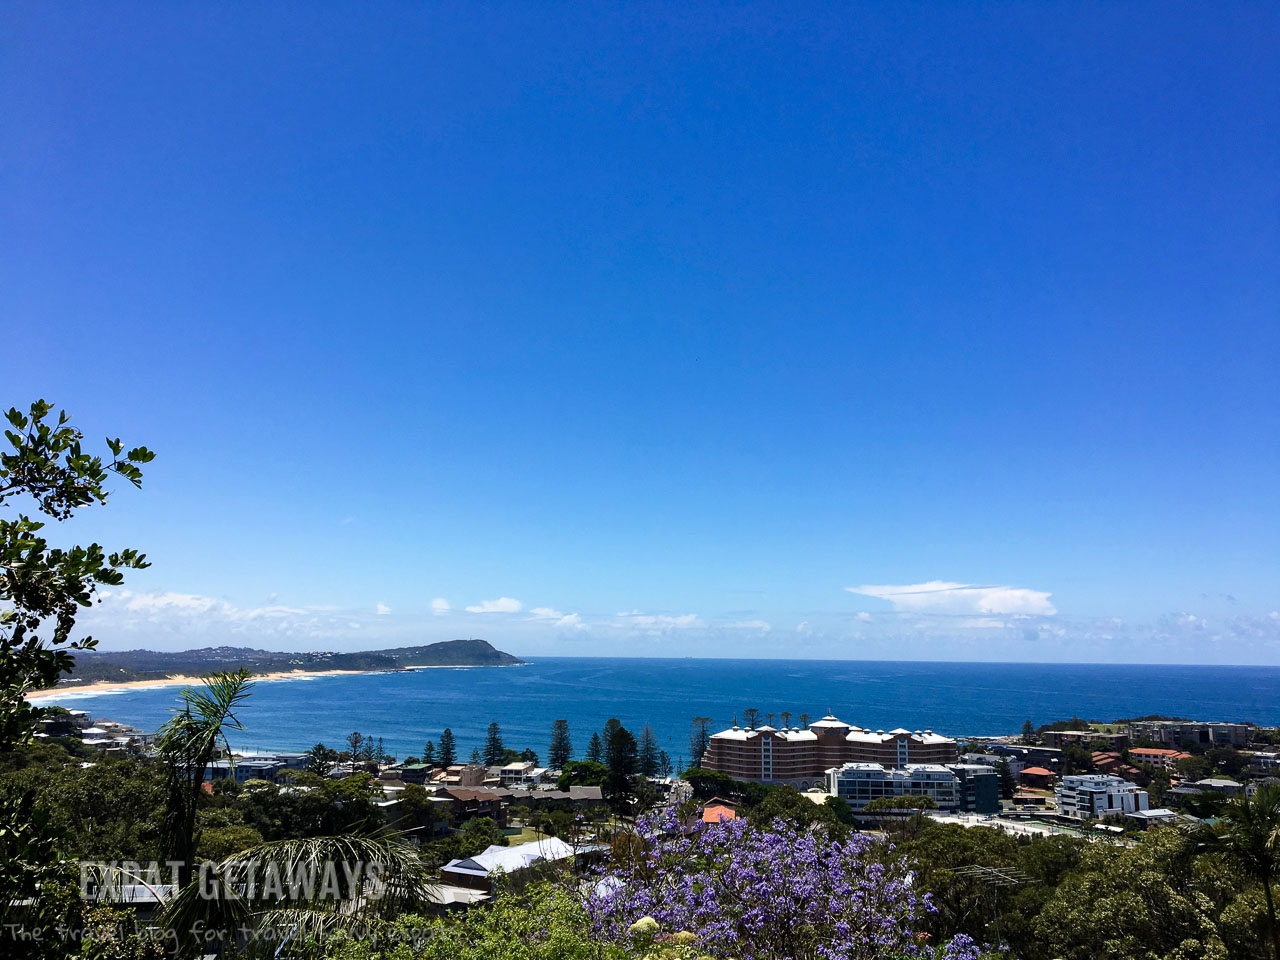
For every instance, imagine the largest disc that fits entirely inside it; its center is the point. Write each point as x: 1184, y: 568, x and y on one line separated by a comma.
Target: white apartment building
x: 1094, y: 796
x: 860, y: 783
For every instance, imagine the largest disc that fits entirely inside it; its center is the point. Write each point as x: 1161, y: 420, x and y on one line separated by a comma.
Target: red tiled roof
x: 717, y: 813
x: 1037, y: 772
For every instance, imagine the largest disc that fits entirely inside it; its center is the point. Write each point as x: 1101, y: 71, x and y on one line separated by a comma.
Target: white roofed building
x: 802, y: 756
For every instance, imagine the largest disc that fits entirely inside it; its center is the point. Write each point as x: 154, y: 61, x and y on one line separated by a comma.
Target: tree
x: 620, y: 758
x: 804, y: 720
x: 528, y: 756
x: 448, y: 749
x: 647, y: 752
x: 1008, y: 785
x: 43, y: 588
x: 699, y: 737
x: 429, y: 754
x: 610, y: 726
x: 356, y: 746
x: 1028, y: 732
x: 493, y: 749
x: 561, y: 750
x: 582, y: 773
x: 187, y: 742
x: 476, y: 759
x: 1248, y: 830
x: 595, y: 749
x: 320, y: 759
x: 750, y: 717
x: 664, y: 764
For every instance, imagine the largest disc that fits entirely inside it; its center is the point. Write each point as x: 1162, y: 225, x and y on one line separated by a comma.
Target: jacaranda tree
x: 763, y: 893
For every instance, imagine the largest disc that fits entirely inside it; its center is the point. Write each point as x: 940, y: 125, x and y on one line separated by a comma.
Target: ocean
x: 957, y: 699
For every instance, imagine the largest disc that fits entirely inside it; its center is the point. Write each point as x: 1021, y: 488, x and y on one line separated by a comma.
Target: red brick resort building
x: 800, y: 757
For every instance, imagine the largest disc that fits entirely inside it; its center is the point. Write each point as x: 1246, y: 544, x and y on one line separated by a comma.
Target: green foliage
x: 539, y: 923
x: 582, y: 773
x: 493, y: 749
x: 787, y: 803
x: 1150, y: 900
x: 561, y: 750
x: 187, y: 743
x: 448, y: 754
x: 43, y: 588
x: 711, y: 783
x: 621, y: 758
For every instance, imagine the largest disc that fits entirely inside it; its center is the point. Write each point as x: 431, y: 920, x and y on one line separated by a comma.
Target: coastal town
x: 1071, y: 777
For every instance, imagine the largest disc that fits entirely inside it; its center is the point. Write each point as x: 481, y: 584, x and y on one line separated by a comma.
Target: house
x: 496, y: 863
x: 718, y: 812
x: 244, y: 769
x: 520, y: 773
x: 1036, y: 777
x: 1221, y: 785
x: 460, y: 775
x: 1156, y: 816
x: 467, y: 803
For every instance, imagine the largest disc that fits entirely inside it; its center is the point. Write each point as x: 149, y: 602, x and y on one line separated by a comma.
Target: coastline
x: 187, y: 680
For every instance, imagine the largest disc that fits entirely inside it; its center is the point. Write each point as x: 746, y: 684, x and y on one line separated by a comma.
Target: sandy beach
x: 176, y: 680
x: 184, y: 680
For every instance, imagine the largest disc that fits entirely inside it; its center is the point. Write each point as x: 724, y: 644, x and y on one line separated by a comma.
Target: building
x: 1038, y: 778
x: 718, y: 812
x: 1174, y: 733
x: 1093, y: 796
x: 459, y: 775
x: 521, y: 773
x: 1221, y: 785
x: 1160, y: 757
x: 1031, y: 756
x: 467, y: 803
x: 979, y: 787
x: 1264, y: 764
x: 1084, y: 739
x: 504, y: 863
x: 1156, y: 816
x: 801, y: 757
x: 960, y: 787
x: 244, y: 769
x: 1016, y: 764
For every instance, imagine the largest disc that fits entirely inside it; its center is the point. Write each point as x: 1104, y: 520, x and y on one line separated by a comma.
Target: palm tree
x: 1248, y: 830
x: 187, y: 743
x: 303, y: 891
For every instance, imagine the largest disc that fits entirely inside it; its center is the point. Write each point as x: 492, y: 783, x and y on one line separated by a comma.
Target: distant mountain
x: 121, y: 665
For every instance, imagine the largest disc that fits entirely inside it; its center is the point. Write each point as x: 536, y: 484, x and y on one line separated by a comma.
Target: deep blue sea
x: 957, y: 699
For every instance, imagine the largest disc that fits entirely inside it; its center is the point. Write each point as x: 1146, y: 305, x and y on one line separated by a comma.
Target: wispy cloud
x: 382, y: 609
x: 946, y: 597
x: 440, y: 606
x: 762, y: 625
x: 657, y: 621
x: 501, y: 605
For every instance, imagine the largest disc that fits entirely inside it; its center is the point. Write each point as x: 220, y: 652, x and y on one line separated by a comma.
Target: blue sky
x: 670, y: 323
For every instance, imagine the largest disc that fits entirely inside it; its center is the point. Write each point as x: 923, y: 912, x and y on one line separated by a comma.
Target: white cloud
x: 383, y: 609
x: 762, y: 625
x: 658, y: 621
x: 501, y: 605
x: 864, y: 616
x: 193, y: 605
x: 440, y: 606
x: 803, y: 628
x: 544, y: 613
x: 945, y: 597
